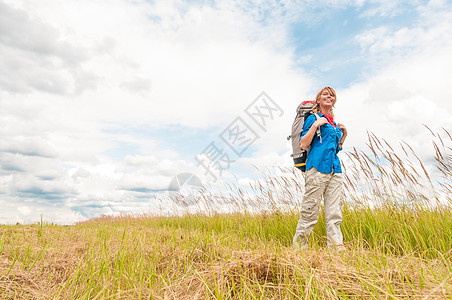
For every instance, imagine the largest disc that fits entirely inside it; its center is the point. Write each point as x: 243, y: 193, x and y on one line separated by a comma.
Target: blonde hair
x: 316, y: 107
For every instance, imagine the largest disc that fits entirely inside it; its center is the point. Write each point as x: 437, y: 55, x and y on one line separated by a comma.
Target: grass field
x: 397, y: 230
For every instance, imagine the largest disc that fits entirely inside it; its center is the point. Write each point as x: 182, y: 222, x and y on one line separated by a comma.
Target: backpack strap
x: 317, y: 117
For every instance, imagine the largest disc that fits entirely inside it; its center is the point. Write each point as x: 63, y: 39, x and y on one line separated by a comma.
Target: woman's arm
x: 344, y: 134
x: 306, y: 139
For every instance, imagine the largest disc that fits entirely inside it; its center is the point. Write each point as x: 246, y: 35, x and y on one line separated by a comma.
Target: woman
x: 323, y: 175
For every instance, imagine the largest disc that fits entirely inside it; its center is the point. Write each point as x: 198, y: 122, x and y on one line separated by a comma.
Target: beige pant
x: 330, y: 187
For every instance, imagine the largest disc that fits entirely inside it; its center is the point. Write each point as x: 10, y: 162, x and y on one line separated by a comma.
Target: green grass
x: 397, y: 230
x: 391, y: 253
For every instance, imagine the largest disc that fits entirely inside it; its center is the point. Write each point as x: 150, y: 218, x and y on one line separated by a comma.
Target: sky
x: 106, y: 105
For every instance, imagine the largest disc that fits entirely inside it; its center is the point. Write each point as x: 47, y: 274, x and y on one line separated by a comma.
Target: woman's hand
x: 342, y: 127
x: 344, y: 134
x: 320, y: 122
x: 306, y: 140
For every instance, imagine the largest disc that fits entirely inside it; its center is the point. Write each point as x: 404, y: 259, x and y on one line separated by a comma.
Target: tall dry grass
x: 397, y: 225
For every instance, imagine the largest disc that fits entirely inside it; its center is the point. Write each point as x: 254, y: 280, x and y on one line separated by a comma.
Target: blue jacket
x: 323, y: 154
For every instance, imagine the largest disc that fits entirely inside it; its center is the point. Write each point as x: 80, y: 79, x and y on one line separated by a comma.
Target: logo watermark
x: 182, y: 188
x: 237, y: 138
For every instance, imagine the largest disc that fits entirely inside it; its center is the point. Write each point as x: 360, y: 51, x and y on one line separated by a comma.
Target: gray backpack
x: 299, y: 156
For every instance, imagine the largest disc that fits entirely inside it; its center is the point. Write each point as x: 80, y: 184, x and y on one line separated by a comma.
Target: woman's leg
x: 309, y: 208
x: 333, y: 215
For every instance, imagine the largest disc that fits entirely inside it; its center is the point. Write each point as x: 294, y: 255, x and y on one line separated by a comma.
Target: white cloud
x: 408, y: 90
x: 27, y: 213
x: 383, y: 8
x: 32, y: 187
x: 140, y: 160
x: 426, y: 34
x: 33, y: 146
x: 33, y: 57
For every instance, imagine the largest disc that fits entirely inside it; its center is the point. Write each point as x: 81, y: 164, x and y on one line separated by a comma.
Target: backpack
x: 304, y: 110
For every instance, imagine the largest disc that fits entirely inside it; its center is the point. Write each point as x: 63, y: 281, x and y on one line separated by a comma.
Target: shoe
x: 340, y: 248
x: 297, y: 246
x: 336, y: 248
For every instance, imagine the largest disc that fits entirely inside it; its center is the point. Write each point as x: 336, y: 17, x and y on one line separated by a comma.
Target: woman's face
x: 326, y: 100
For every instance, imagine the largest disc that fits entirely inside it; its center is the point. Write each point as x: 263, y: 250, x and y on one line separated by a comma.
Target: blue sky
x: 338, y: 58
x: 104, y: 103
